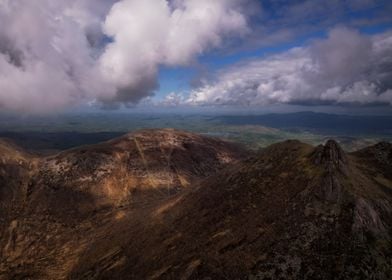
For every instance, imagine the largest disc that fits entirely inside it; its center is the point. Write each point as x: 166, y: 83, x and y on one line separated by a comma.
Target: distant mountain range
x: 168, y: 204
x: 317, y: 122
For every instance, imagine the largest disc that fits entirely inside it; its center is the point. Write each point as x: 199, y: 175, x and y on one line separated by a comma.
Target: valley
x: 47, y: 135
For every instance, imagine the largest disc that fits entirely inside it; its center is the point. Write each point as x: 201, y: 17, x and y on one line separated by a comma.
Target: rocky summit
x: 168, y: 204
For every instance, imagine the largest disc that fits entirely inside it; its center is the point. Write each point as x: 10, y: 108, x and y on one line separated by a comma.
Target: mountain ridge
x: 290, y: 211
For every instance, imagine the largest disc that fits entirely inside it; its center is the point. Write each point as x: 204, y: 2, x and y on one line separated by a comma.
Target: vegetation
x: 66, y: 131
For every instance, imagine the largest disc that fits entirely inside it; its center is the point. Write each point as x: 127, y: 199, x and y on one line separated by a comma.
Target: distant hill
x: 168, y: 204
x: 46, y: 136
x: 321, y: 123
x: 49, y: 142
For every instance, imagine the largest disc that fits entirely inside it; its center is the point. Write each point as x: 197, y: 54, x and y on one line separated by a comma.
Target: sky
x: 245, y: 55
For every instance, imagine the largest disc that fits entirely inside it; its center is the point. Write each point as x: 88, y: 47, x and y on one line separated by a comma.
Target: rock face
x: 330, y: 155
x: 290, y: 212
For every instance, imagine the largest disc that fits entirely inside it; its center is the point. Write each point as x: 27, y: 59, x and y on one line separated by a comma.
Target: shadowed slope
x: 292, y: 212
x: 150, y: 164
x: 58, y: 205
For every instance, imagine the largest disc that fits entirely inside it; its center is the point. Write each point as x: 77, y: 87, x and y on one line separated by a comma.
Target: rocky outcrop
x: 330, y: 155
x: 333, y: 163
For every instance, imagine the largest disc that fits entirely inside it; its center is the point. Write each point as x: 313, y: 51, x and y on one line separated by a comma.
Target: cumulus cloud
x: 159, y: 33
x: 44, y: 56
x: 346, y: 67
x: 55, y: 54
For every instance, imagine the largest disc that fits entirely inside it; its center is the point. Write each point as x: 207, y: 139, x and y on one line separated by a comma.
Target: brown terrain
x: 166, y: 204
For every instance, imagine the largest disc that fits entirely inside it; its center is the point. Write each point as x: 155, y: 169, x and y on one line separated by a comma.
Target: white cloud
x: 46, y: 62
x: 347, y: 67
x: 53, y: 53
x: 150, y: 33
x: 172, y: 99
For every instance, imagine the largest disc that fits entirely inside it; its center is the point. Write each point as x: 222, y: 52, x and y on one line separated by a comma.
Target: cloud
x: 57, y: 54
x: 162, y: 34
x: 46, y: 62
x: 172, y: 100
x: 346, y: 67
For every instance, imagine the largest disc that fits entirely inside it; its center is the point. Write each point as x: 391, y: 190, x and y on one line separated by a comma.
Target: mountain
x: 291, y: 211
x: 139, y: 166
x: 48, y: 203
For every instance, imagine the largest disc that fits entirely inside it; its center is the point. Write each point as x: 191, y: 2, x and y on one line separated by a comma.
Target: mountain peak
x: 330, y: 154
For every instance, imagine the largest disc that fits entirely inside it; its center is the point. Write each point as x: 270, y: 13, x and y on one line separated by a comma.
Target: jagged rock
x: 331, y: 155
